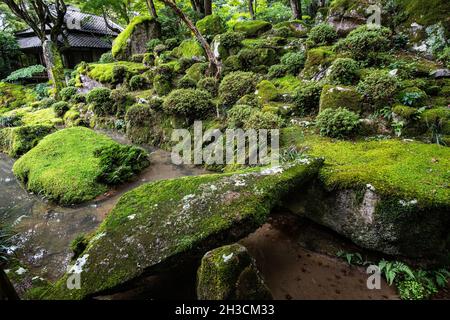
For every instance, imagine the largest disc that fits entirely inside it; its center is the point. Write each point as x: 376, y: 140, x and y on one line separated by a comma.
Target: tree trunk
x: 208, y: 7
x: 151, y: 8
x: 215, y: 67
x: 7, y: 291
x: 251, y: 10
x: 54, y: 64
x: 296, y: 6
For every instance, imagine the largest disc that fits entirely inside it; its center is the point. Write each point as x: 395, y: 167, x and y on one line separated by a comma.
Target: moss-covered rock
x: 108, y: 72
x: 189, y: 48
x: 133, y: 39
x: 211, y: 25
x: 334, y: 97
x: 266, y: 91
x: 252, y: 28
x: 229, y: 273
x: 162, y: 224
x: 317, y: 62
x: 19, y: 140
x: 64, y: 166
x: 391, y: 195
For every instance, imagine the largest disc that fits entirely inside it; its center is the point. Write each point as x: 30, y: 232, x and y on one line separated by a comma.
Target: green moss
x: 252, y: 28
x: 287, y: 84
x: 340, y: 97
x: 224, y: 273
x: 317, y: 59
x: 71, y: 118
x: 13, y: 96
x: 63, y: 166
x: 426, y: 12
x: 17, y: 141
x: 103, y: 72
x: 120, y: 42
x: 397, y: 169
x: 160, y: 224
x: 30, y: 116
x: 211, y: 25
x: 266, y: 91
x: 197, y: 71
x: 404, y: 111
x: 188, y: 49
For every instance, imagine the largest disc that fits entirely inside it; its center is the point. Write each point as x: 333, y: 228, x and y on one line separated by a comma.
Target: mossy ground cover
x: 63, y: 166
x: 13, y: 96
x: 403, y: 169
x: 159, y: 224
x: 103, y: 72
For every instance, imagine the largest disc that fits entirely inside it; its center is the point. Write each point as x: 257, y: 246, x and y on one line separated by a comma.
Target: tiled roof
x: 83, y: 22
x: 76, y: 40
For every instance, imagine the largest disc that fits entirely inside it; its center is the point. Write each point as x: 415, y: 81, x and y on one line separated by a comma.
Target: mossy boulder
x: 64, y: 166
x: 333, y: 97
x: 211, y: 25
x: 133, y: 39
x: 114, y: 72
x: 230, y: 273
x: 252, y: 28
x: 317, y: 62
x: 189, y: 48
x: 391, y: 196
x: 19, y: 140
x: 266, y: 91
x: 163, y: 224
x: 347, y: 15
x: 297, y: 28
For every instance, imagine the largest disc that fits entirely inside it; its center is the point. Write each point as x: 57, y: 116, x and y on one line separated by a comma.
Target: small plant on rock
x: 337, y: 123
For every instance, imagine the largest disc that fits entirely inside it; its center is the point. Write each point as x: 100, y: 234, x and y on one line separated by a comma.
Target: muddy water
x: 297, y: 259
x: 45, y: 230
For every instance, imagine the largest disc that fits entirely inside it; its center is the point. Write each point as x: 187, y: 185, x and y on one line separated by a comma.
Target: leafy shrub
x: 232, y: 64
x: 208, y: 84
x: 106, y: 58
x: 186, y: 82
x: 60, y: 108
x: 322, y: 34
x: 13, y: 120
x: 277, y: 71
x: 162, y: 84
x: 293, y: 61
x: 189, y: 103
x: 238, y: 114
x: 100, y: 99
x: 362, y: 41
x: 138, y: 58
x: 78, y: 98
x: 344, y: 71
x: 236, y: 85
x: 119, y: 163
x: 119, y: 74
x: 412, y: 97
x: 9, y: 52
x: 252, y: 58
x: 138, y: 82
x: 151, y: 44
x: 263, y: 120
x: 25, y: 73
x: 171, y: 43
x: 46, y: 103
x: 231, y: 39
x: 210, y: 25
x: 307, y: 98
x: 42, y: 90
x: 337, y: 123
x: 67, y: 93
x: 121, y: 100
x: 444, y: 56
x: 378, y: 87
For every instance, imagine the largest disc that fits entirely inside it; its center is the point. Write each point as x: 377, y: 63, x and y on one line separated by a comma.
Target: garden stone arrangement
x: 357, y: 91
